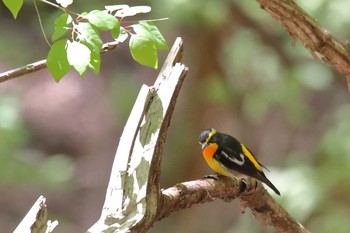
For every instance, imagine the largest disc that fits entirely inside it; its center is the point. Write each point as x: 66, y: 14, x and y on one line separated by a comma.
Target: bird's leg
x: 243, y: 186
x: 248, y: 185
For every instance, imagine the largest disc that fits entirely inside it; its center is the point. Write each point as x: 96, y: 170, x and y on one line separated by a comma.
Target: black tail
x: 261, y: 176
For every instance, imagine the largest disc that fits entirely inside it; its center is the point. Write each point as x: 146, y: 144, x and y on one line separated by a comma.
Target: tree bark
x: 317, y: 40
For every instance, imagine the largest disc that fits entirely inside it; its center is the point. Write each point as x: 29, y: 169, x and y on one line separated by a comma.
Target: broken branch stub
x: 36, y: 219
x: 133, y: 191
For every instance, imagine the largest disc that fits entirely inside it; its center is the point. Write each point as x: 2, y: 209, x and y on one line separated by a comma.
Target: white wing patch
x: 235, y: 160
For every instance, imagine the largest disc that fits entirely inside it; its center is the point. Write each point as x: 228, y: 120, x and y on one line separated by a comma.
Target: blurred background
x: 245, y: 79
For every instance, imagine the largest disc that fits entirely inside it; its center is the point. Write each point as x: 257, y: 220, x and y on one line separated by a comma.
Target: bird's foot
x: 248, y: 185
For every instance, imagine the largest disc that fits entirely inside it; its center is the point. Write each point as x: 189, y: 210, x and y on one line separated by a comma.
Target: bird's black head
x: 207, y: 137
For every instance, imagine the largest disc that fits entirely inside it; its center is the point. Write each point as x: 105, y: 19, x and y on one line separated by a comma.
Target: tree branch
x: 269, y: 212
x: 27, y: 69
x: 133, y: 191
x: 186, y: 194
x: 255, y: 197
x: 39, y: 65
x: 299, y: 24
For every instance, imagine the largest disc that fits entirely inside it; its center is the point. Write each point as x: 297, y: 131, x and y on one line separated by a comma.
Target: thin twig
x: 39, y: 65
x: 27, y: 69
x: 59, y: 7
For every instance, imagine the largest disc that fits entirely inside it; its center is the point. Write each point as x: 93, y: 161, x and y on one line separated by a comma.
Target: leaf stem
x: 40, y: 22
x: 59, y: 7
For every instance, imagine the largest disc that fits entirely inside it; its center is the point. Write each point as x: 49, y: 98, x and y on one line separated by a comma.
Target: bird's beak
x: 204, y: 145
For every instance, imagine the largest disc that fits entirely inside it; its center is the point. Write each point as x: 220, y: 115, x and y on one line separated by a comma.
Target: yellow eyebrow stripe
x: 251, y: 157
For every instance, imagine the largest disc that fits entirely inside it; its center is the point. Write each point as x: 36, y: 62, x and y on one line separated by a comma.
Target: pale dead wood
x: 133, y: 191
x: 36, y: 219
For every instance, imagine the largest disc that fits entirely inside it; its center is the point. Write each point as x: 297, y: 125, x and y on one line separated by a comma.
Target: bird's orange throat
x: 208, y: 154
x: 209, y: 151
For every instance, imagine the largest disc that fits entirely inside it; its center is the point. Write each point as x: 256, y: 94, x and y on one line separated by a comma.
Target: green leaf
x: 95, y: 62
x: 89, y: 35
x: 78, y: 56
x: 150, y: 31
x: 115, y: 32
x: 144, y: 51
x: 56, y: 61
x: 14, y: 6
x: 102, y: 20
x: 62, y: 25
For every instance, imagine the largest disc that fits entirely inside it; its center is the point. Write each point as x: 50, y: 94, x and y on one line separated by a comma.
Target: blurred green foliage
x: 20, y: 164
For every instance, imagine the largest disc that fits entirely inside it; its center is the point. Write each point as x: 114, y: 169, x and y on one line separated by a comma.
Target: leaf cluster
x: 77, y: 41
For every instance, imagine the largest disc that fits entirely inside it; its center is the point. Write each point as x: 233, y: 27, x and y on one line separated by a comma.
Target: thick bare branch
x: 186, y: 194
x: 264, y: 207
x: 269, y: 212
x: 299, y: 24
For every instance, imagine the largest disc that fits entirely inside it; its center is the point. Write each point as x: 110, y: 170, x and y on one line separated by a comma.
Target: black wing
x: 230, y: 155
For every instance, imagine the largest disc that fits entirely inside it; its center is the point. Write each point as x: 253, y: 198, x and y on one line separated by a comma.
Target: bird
x: 227, y: 156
